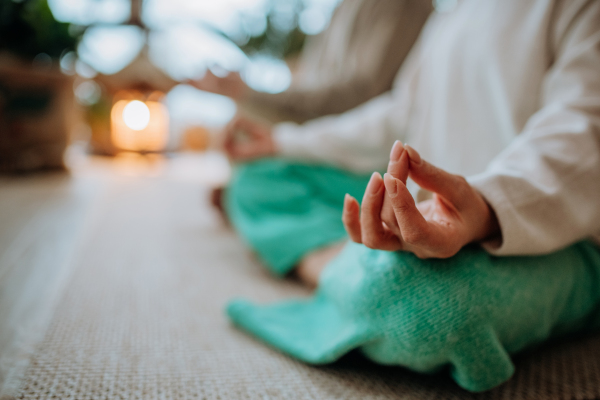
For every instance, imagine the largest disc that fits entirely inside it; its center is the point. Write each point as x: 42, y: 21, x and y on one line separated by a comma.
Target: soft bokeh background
x: 64, y: 64
x: 58, y: 60
x: 184, y: 39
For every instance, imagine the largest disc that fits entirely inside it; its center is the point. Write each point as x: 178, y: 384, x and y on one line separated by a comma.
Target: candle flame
x: 139, y: 125
x: 136, y: 115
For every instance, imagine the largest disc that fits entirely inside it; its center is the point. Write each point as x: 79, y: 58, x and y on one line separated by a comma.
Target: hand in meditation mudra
x: 416, y: 291
x: 436, y: 228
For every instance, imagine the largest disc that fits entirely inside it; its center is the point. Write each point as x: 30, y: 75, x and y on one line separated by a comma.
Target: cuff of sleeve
x: 512, y: 240
x: 288, y: 139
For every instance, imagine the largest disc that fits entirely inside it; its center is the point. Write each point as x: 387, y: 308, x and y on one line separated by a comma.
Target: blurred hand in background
x: 230, y: 85
x: 245, y: 139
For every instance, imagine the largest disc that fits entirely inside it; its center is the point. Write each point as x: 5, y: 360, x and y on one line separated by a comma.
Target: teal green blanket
x: 284, y: 210
x: 468, y: 312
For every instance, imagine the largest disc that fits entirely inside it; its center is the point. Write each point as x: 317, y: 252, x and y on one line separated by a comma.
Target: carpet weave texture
x: 141, y: 318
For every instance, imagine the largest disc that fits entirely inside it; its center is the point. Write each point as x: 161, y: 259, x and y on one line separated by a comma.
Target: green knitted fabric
x: 468, y: 312
x: 284, y: 209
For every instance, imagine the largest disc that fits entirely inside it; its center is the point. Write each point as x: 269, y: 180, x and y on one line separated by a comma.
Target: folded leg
x: 468, y: 312
x: 479, y: 361
x: 311, y: 330
x: 284, y: 210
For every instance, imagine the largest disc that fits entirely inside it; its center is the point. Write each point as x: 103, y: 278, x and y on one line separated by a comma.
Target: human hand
x: 436, y: 228
x: 231, y: 85
x: 245, y: 140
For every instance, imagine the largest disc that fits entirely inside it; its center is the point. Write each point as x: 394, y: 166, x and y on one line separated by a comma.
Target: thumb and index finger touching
x: 406, y: 161
x: 413, y: 226
x: 434, y: 179
x: 244, y: 125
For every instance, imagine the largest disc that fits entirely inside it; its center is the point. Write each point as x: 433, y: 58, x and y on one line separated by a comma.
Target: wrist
x: 489, y: 227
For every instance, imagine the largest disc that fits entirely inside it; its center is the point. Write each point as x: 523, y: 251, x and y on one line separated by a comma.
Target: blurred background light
x: 284, y: 15
x: 254, y: 23
x: 224, y: 15
x: 313, y: 20
x: 190, y: 106
x: 84, y: 70
x: 186, y: 50
x: 185, y: 38
x: 43, y: 61
x: 87, y: 92
x: 267, y: 74
x: 87, y: 12
x: 67, y: 63
x: 136, y: 115
x: 108, y: 49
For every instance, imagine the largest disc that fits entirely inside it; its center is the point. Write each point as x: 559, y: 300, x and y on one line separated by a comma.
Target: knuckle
x: 402, y: 207
x: 390, y: 222
x: 460, y: 180
x: 355, y: 239
x: 369, y: 206
x: 447, y: 253
x: 414, y: 237
x: 461, y: 186
x: 370, y: 241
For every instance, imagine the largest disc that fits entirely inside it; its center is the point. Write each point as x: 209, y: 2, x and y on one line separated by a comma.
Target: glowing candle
x: 136, y: 115
x: 139, y: 125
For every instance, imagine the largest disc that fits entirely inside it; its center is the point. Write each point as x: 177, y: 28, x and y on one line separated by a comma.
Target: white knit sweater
x: 505, y: 92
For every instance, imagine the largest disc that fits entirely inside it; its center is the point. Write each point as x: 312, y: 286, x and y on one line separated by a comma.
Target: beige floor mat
x: 142, y: 318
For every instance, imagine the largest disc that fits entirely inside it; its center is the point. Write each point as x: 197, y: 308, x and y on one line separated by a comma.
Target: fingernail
x: 347, y: 198
x: 396, y: 151
x: 371, y: 187
x: 415, y: 157
x: 390, y: 185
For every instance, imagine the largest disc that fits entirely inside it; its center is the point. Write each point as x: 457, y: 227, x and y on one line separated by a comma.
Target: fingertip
x: 396, y: 151
x: 391, y: 185
x: 374, y: 184
x: 402, y: 196
x: 349, y: 201
x: 414, y: 155
x: 351, y: 218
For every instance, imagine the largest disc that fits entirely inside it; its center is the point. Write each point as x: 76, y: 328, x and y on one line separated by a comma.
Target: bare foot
x: 216, y: 199
x: 310, y: 267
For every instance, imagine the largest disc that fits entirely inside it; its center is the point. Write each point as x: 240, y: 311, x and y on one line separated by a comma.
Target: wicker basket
x: 36, y: 116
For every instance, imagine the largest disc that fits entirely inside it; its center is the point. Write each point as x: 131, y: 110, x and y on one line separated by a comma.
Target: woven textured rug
x: 141, y: 317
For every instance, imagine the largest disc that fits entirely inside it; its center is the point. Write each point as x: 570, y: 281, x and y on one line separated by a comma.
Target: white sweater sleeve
x: 545, y: 187
x: 358, y: 140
